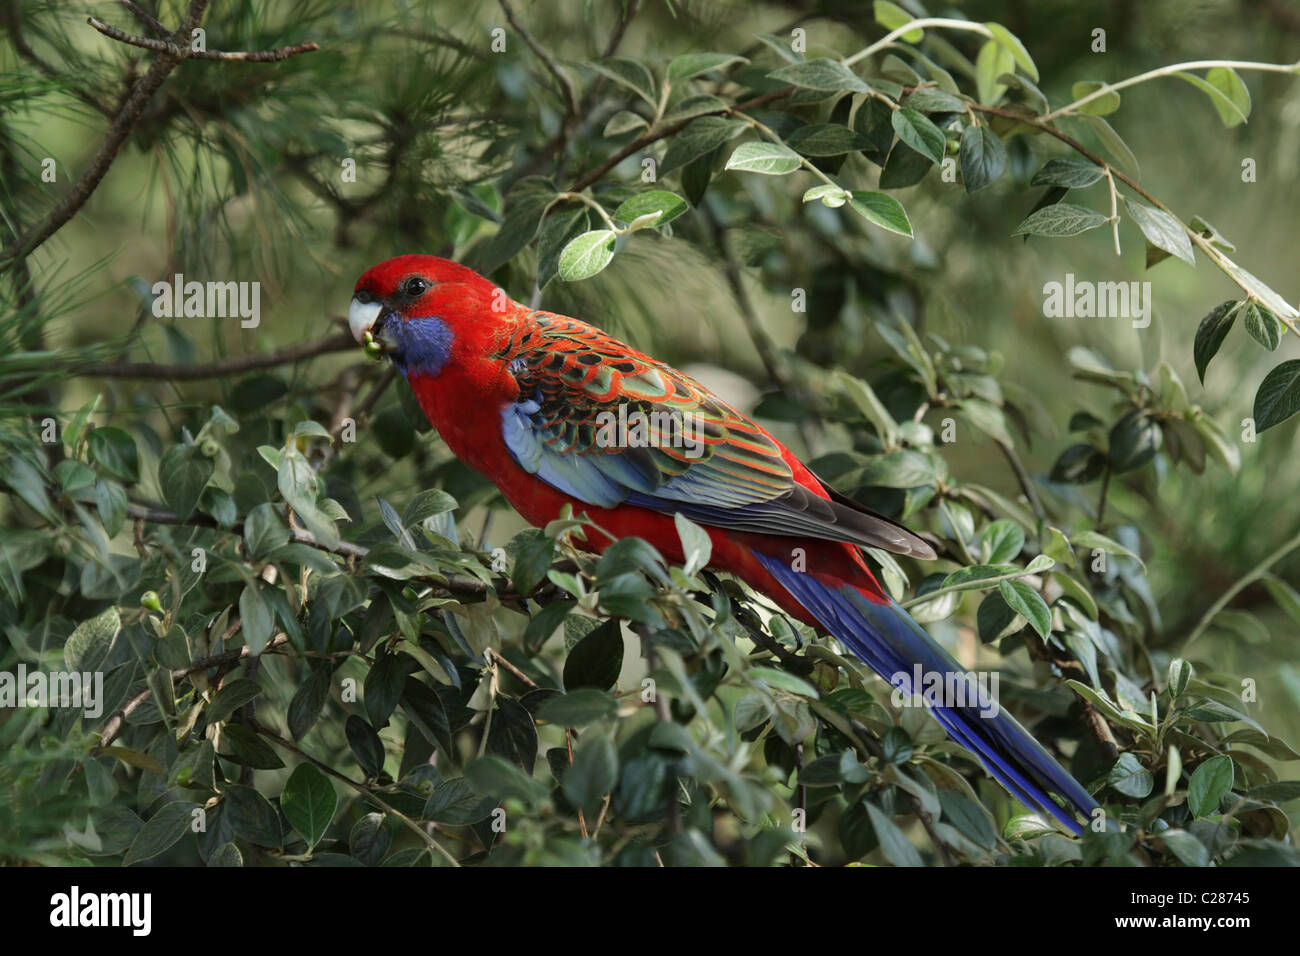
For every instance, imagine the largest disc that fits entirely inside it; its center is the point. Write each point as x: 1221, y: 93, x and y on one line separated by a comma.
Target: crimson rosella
x: 528, y: 397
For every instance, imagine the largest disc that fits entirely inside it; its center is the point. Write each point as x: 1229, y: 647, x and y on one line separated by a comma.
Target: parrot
x: 528, y: 398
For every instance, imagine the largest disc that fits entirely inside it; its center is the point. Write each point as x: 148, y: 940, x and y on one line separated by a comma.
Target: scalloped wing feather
x: 694, y: 454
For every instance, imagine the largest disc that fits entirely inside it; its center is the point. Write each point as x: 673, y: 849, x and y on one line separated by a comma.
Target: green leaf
x: 160, y: 832
x: 993, y: 617
x: 1264, y: 327
x: 703, y: 136
x: 1211, y: 333
x: 928, y: 99
x: 383, y: 687
x: 667, y: 204
x: 693, y: 64
x: 502, y: 779
x: 1286, y: 597
x: 1095, y: 541
x: 593, y: 773
x: 1011, y: 43
x: 1226, y: 91
x: 250, y: 749
x: 369, y: 840
x: 992, y: 62
x: 770, y: 159
x: 596, y: 660
x: 1114, y: 144
x: 900, y: 469
x: 892, y: 17
x: 524, y: 207
x: 1001, y: 542
x: 309, y: 802
x: 1068, y: 173
x: 1134, y: 440
x: 300, y: 486
x: 871, y: 407
x: 1060, y: 220
x: 821, y: 74
x: 893, y: 843
x: 577, y: 708
x: 427, y: 504
x: 308, y: 701
x: 424, y: 708
x: 882, y: 210
x: 983, y: 157
x: 1208, y: 784
x: 532, y: 563
x: 696, y: 544
x: 692, y: 107
x: 831, y: 196
x: 455, y: 802
x: 1180, y: 672
x: 1130, y: 778
x: 1029, y: 604
x: 182, y: 473
x: 918, y: 132
x: 256, y: 617
x: 874, y: 122
x: 826, y: 139
x: 635, y: 76
x: 1189, y: 850
x: 587, y: 255
x: 114, y: 450
x: 782, y: 680
x: 251, y: 815
x: 976, y: 576
x: 365, y: 745
x: 624, y: 121
x: 969, y: 818
x: 88, y: 644
x: 1278, y: 397
x: 111, y: 503
x: 1102, y: 105
x: 233, y: 695
x: 903, y: 167
x: 1161, y: 229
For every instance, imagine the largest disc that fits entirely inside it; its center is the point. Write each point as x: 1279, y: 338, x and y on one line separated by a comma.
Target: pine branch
x: 341, y: 342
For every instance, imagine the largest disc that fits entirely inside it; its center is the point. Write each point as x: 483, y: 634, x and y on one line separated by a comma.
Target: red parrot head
x: 423, y: 312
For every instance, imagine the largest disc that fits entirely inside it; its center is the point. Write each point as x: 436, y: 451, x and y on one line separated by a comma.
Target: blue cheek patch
x: 423, y: 345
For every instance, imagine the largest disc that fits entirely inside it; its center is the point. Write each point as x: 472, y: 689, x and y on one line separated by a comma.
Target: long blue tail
x: 886, y: 638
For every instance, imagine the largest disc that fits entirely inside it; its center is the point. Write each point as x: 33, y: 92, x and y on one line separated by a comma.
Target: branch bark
x: 115, y: 139
x: 218, y: 369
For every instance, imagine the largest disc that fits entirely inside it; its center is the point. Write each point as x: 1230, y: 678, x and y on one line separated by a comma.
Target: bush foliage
x: 317, y: 645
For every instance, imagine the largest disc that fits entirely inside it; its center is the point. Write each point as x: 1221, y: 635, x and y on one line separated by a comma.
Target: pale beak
x: 362, y: 317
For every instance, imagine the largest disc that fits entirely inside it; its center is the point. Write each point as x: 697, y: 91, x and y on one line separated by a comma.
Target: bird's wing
x: 584, y: 394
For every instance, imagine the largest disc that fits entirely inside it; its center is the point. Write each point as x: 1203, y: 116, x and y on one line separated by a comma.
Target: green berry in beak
x: 372, y: 348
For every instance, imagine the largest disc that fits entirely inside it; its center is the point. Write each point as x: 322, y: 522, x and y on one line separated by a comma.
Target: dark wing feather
x: 698, y: 456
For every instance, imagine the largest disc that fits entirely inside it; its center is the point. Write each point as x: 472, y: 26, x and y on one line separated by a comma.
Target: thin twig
x: 172, y: 48
x: 653, y: 136
x: 218, y: 369
x: 361, y: 788
x: 146, y: 18
x: 114, y: 725
x: 566, y: 85
x: 1250, y: 577
x: 118, y: 131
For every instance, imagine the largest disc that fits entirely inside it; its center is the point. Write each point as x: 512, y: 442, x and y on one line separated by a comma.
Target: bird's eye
x: 415, y: 286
